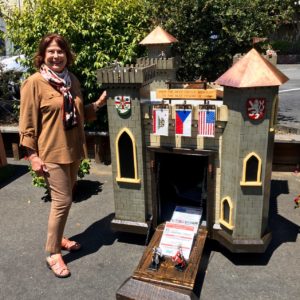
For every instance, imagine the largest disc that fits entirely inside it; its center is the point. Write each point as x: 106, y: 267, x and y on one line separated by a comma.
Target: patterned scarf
x: 62, y: 83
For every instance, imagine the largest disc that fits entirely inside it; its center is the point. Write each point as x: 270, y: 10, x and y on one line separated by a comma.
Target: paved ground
x: 272, y: 275
x: 109, y: 258
x: 289, y: 97
x: 97, y: 271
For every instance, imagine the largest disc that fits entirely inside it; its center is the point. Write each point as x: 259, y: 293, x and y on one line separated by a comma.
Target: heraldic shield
x: 123, y: 105
x: 256, y: 108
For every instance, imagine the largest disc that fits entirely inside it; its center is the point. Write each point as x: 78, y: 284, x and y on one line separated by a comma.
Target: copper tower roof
x: 158, y: 36
x: 252, y: 70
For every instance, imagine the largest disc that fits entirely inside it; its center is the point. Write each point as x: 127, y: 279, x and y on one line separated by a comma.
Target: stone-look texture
x: 211, y: 145
x: 126, y: 75
x: 236, y: 136
x: 242, y: 136
x: 165, y: 70
x: 251, y: 77
x: 158, y: 44
x: 129, y: 197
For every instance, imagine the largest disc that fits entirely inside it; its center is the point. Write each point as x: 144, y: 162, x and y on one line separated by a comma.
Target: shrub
x: 39, y: 181
x: 9, y: 95
x: 286, y: 47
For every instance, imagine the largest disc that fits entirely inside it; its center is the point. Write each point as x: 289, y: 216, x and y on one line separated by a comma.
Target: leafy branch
x: 39, y: 181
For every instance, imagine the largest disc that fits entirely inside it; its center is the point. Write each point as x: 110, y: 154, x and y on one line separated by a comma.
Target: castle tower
x: 158, y: 43
x: 251, y: 95
x: 126, y: 86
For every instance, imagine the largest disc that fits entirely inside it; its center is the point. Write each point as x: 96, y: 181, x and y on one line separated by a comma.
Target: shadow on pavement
x: 98, y: 235
x: 131, y: 238
x: 93, y: 238
x: 11, y: 173
x: 283, y: 231
x: 86, y: 189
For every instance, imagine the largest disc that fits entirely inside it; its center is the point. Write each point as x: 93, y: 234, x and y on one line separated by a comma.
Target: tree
x: 99, y: 31
x: 210, y: 32
x: 9, y: 96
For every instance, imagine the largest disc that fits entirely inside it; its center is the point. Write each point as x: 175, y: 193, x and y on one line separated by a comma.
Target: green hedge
x: 284, y: 47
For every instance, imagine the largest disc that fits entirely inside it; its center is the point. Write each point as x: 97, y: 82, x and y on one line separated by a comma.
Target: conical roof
x: 252, y: 70
x: 158, y: 36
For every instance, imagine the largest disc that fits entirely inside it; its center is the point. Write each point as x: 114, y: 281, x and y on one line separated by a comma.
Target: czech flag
x: 183, y: 122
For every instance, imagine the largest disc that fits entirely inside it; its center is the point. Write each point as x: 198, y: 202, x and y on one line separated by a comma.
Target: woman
x: 51, y: 129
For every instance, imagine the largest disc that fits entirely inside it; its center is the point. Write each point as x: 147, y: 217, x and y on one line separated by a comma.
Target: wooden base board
x: 137, y: 289
x: 166, y: 282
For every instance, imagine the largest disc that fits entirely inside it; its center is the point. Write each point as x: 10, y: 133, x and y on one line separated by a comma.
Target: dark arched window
x: 226, y: 211
x: 226, y: 216
x: 126, y: 157
x: 251, y: 170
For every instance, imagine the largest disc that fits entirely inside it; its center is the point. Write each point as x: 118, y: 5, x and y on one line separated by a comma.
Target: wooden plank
x: 186, y: 94
x: 137, y: 289
x: 3, y: 160
x: 167, y: 274
x: 16, y: 151
x: 286, y: 154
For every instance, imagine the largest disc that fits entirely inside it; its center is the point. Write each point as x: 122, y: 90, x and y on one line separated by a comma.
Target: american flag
x: 206, y: 122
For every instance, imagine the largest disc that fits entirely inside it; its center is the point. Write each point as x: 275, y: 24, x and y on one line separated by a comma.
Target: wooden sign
x: 186, y: 94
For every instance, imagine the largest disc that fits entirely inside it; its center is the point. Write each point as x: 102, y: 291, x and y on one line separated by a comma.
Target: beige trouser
x: 61, y: 180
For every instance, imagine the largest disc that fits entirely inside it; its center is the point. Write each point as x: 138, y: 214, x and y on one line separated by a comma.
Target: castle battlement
x: 161, y: 63
x: 133, y: 74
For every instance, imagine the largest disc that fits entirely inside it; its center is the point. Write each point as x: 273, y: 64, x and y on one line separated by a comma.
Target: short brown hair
x: 45, y: 42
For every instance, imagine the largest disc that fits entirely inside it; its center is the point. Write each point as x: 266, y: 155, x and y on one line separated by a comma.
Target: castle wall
x: 194, y: 142
x: 129, y: 197
x: 241, y: 137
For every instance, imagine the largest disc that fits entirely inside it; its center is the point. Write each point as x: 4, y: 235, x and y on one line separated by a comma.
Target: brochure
x: 177, y: 235
x: 188, y: 216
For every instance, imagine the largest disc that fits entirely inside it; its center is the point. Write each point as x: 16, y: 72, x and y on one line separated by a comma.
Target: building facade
x: 228, y: 174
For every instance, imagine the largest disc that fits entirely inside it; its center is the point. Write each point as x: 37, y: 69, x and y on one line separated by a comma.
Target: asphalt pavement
x: 289, y: 97
x: 108, y: 258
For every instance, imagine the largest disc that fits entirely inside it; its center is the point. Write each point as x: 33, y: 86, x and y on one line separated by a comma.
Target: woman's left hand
x: 102, y: 100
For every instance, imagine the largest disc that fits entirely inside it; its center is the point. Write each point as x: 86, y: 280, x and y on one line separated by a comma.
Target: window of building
x: 226, y: 217
x: 126, y: 157
x: 251, y: 170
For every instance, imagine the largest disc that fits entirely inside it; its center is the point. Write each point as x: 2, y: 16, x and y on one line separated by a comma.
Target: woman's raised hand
x: 102, y: 100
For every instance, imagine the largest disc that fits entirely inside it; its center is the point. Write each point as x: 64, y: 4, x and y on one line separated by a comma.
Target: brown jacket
x: 41, y: 125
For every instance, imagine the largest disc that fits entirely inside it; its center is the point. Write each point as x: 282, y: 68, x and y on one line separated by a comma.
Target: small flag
x: 183, y: 122
x: 206, y: 122
x: 161, y: 121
